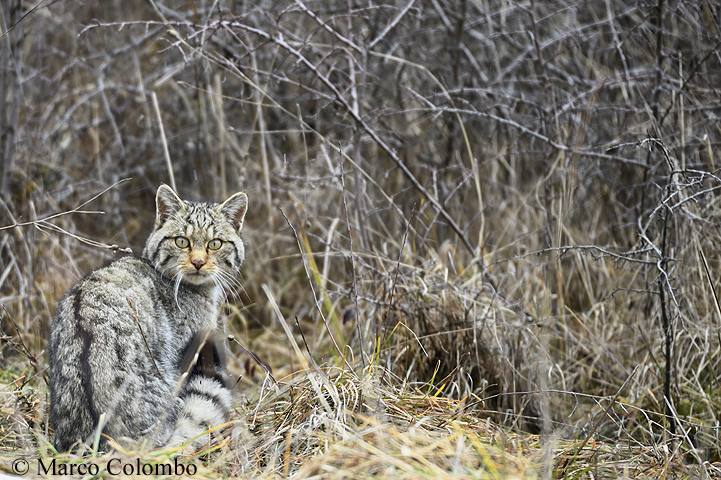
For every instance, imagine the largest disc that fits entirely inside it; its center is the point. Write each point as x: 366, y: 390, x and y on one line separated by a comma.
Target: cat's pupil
x: 182, y: 242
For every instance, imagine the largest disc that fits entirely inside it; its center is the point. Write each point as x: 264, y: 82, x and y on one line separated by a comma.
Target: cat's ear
x: 167, y: 203
x: 234, y: 209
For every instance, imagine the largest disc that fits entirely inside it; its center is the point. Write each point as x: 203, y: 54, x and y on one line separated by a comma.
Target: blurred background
x: 510, y: 203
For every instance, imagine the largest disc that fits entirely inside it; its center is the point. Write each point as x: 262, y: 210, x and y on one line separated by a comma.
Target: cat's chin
x: 196, y: 278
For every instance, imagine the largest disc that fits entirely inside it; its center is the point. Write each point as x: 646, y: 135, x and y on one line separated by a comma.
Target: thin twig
x: 254, y: 357
x: 45, y: 223
x: 10, y: 29
x: 109, y: 114
x: 398, y: 267
x: 391, y: 25
x: 626, y: 256
x: 315, y: 297
x: 666, y: 323
x: 710, y: 284
x: 352, y: 260
x: 135, y: 315
x: 74, y: 210
x: 164, y: 141
x: 605, y: 412
x: 25, y: 350
x: 305, y: 342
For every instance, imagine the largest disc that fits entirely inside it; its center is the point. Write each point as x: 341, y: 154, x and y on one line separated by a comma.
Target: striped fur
x: 206, y: 393
x: 103, y: 377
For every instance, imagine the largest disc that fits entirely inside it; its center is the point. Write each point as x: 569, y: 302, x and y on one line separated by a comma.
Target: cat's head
x: 197, y: 243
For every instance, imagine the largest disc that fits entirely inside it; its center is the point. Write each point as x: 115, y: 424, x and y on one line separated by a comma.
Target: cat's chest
x: 188, y: 311
x: 177, y: 318
x: 167, y: 311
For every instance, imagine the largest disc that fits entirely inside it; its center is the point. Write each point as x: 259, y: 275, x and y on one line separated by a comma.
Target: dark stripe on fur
x: 235, y: 247
x: 85, y: 369
x: 215, y: 399
x: 165, y: 261
x: 157, y: 249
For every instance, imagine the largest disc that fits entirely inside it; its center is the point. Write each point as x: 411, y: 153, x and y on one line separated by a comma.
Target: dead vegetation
x: 483, y: 238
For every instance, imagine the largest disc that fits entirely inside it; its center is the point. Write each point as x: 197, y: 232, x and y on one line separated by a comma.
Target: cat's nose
x: 198, y: 262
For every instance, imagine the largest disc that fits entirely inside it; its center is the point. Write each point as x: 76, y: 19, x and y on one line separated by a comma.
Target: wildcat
x: 131, y: 347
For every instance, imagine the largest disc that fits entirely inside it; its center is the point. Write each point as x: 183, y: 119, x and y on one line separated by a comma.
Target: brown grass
x: 495, y: 222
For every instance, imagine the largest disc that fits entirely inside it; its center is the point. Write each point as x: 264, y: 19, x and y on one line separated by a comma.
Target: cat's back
x: 126, y: 272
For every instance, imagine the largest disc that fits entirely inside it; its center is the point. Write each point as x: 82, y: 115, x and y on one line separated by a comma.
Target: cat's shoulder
x: 130, y: 263
x: 128, y: 270
x: 106, y: 286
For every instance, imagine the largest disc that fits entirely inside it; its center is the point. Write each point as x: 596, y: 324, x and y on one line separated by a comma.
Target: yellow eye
x: 182, y: 242
x: 215, y: 244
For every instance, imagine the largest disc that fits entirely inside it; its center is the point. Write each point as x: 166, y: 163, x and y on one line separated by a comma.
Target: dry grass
x: 496, y: 222
x: 327, y: 424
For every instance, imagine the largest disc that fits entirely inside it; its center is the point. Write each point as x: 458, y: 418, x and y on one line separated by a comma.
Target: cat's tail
x: 205, y: 393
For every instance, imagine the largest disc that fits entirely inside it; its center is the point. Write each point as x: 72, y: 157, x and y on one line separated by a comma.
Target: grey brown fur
x: 102, y: 376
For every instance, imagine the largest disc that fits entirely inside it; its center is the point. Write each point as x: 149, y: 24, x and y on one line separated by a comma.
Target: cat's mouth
x: 197, y: 277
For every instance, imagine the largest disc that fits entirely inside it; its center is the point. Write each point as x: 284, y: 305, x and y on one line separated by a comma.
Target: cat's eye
x: 215, y: 244
x: 182, y: 242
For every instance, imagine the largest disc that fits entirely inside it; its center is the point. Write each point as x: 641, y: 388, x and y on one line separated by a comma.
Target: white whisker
x: 177, y: 278
x: 231, y: 283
